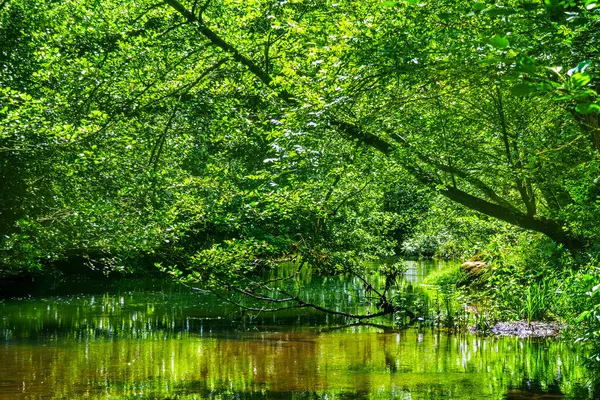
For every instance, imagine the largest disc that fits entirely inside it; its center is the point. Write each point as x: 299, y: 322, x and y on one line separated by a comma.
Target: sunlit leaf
x: 551, y: 4
x: 591, y: 4
x: 582, y: 316
x: 479, y: 6
x: 579, y: 79
x: 499, y: 42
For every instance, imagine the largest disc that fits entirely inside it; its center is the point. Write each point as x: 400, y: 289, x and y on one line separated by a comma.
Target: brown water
x: 350, y: 363
x: 151, y: 339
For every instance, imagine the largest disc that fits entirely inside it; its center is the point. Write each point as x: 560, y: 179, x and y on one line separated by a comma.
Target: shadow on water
x: 529, y: 389
x: 137, y: 338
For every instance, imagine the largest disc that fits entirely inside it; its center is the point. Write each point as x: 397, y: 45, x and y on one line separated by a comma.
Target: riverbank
x: 523, y: 329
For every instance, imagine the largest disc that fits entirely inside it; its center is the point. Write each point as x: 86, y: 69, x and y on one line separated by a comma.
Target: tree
x: 221, y: 136
x: 138, y: 140
x: 413, y: 91
x: 84, y: 124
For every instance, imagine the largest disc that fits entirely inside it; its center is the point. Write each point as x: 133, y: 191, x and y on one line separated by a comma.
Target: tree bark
x: 552, y: 229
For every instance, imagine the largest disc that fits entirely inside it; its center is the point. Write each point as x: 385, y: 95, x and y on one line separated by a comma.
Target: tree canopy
x: 215, y: 139
x: 174, y: 128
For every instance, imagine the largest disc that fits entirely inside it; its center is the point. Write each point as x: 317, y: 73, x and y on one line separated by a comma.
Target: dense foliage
x: 216, y: 138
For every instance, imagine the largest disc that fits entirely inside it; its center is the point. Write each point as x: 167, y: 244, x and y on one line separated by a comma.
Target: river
x: 148, y: 338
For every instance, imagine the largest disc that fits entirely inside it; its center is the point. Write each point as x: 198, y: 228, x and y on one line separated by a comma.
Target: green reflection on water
x: 152, y: 308
x: 151, y: 339
x: 355, y: 362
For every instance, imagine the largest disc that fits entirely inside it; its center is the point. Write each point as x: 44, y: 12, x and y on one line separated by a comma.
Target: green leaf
x: 588, y: 108
x: 585, y: 95
x: 551, y: 4
x: 530, y: 6
x: 582, y: 316
x: 479, y: 6
x: 499, y: 11
x: 499, y: 42
x: 579, y: 79
x: 389, y: 4
x: 522, y: 89
x: 491, y: 60
x: 582, y: 66
x: 525, y: 64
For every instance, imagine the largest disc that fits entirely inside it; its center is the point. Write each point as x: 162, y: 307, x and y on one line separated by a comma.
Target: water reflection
x: 357, y: 363
x: 152, y: 339
x: 134, y: 308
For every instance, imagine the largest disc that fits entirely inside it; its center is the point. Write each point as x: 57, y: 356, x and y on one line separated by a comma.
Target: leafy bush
x: 527, y: 272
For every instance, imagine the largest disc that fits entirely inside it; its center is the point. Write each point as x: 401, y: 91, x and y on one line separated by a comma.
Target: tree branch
x: 528, y: 201
x: 477, y: 183
x: 218, y: 41
x: 503, y: 210
x: 299, y: 304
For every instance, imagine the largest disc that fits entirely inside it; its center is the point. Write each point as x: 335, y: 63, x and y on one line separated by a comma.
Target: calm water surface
x: 149, y: 339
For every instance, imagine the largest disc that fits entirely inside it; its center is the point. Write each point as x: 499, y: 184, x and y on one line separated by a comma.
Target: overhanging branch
x: 501, y: 209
